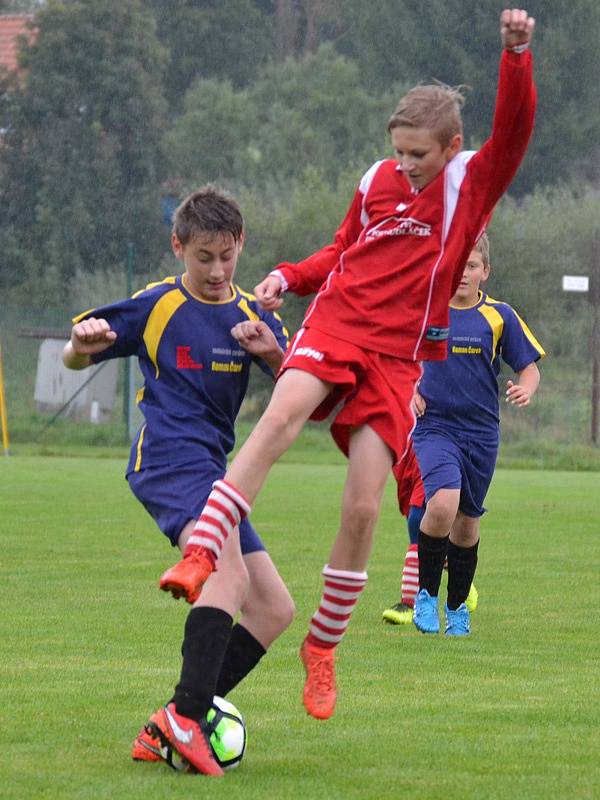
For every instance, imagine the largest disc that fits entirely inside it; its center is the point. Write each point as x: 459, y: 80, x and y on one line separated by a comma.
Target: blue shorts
x: 450, y: 460
x: 175, y: 495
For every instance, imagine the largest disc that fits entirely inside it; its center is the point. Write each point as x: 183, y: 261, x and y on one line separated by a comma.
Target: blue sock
x: 415, y: 515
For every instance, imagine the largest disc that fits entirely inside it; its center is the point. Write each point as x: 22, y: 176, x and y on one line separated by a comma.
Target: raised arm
x: 496, y: 163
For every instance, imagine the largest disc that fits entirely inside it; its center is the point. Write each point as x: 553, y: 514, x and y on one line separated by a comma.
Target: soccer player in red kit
x: 381, y: 308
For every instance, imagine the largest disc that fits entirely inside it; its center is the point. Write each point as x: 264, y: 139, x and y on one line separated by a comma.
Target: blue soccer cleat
x: 425, y: 615
x: 458, y: 622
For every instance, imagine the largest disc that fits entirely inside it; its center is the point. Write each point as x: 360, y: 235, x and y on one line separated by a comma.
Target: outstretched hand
x: 516, y: 27
x: 268, y: 293
x: 92, y: 336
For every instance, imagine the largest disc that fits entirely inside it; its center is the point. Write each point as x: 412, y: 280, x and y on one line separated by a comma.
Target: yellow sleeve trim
x: 533, y: 341
x: 247, y: 295
x: 138, y: 460
x: 496, y: 323
x: 158, y: 320
x: 170, y: 279
x: 79, y: 317
x: 243, y: 306
x: 286, y: 333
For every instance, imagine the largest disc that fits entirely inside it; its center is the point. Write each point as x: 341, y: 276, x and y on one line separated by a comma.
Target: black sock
x: 462, y: 562
x: 207, y: 634
x: 432, y: 554
x: 243, y: 654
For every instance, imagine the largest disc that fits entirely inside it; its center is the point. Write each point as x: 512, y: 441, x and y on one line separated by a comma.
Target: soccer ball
x: 226, y: 732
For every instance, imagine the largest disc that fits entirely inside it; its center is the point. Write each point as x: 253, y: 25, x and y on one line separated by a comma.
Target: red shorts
x: 411, y: 491
x: 370, y: 388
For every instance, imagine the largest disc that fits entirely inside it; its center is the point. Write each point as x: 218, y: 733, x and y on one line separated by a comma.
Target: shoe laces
x: 322, y: 673
x: 198, y: 555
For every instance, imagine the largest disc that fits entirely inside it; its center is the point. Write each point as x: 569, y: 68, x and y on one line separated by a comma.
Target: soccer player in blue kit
x: 196, y: 336
x: 457, y: 435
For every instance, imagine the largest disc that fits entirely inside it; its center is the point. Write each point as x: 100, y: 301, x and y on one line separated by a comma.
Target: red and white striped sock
x: 340, y: 595
x: 224, y: 509
x: 410, y: 575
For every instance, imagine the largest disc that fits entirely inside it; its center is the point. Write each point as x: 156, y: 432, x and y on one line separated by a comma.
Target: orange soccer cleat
x: 186, y: 737
x: 319, y: 694
x: 187, y: 577
x: 146, y: 747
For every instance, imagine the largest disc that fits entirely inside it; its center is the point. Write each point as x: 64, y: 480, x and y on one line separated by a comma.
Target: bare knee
x: 237, y: 582
x: 440, y: 512
x: 283, y: 613
x: 267, y: 614
x: 360, y: 516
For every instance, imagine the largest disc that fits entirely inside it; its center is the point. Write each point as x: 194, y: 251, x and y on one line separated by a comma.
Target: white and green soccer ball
x: 226, y: 732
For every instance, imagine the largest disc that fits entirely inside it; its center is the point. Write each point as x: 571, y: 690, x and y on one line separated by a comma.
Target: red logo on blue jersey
x: 185, y: 361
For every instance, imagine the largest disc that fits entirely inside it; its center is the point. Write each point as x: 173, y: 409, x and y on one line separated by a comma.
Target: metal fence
x: 561, y: 411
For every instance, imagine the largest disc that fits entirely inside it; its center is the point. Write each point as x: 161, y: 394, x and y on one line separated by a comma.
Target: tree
x: 212, y: 139
x: 228, y: 41
x: 81, y: 161
x: 19, y: 6
x: 297, y: 114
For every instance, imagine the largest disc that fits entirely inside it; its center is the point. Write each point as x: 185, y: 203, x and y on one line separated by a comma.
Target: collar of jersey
x: 479, y: 301
x: 209, y: 302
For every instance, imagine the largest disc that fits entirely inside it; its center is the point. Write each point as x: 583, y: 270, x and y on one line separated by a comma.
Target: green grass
x: 90, y: 648
x: 313, y: 445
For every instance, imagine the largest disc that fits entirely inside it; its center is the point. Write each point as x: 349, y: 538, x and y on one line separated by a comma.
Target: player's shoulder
x: 458, y: 166
x: 384, y: 166
x: 156, y: 289
x: 501, y: 306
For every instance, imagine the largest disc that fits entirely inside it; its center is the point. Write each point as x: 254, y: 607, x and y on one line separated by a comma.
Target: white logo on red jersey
x: 402, y: 226
x: 309, y: 353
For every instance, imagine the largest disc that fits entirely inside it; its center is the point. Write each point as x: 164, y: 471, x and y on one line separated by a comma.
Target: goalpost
x: 3, y: 421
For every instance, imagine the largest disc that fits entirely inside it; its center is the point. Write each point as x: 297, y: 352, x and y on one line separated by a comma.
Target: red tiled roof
x: 11, y: 27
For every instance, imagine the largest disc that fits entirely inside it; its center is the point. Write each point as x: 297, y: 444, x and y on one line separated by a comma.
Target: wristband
x: 518, y: 48
x: 278, y: 274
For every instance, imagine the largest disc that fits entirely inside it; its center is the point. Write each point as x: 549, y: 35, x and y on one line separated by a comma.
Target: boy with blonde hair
x: 382, y: 307
x: 456, y: 443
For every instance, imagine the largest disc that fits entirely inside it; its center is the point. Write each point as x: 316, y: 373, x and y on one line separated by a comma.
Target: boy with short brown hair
x: 196, y: 336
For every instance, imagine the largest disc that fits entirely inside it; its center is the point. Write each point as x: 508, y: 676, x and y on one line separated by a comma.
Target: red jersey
x: 386, y: 281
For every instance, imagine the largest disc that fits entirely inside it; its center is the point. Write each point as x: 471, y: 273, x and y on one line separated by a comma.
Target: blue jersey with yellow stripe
x: 462, y: 392
x: 195, y: 373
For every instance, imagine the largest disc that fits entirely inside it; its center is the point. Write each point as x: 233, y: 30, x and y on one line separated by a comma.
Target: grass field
x: 90, y: 648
